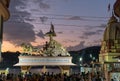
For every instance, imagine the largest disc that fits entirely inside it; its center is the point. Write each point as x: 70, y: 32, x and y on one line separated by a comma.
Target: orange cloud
x: 6, y: 46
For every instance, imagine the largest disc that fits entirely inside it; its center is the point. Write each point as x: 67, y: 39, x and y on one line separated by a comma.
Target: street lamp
x: 90, y: 55
x: 80, y: 60
x: 92, y: 62
x: 93, y: 58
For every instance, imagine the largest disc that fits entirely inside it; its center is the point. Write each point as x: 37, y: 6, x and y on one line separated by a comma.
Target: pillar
x: 25, y: 69
x: 65, y: 69
x: 44, y: 70
x: 105, y: 72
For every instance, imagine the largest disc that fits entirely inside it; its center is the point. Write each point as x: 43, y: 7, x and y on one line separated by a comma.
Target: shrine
x: 52, y: 54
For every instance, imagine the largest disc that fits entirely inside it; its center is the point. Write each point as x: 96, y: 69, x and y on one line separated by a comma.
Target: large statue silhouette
x: 51, y: 33
x: 4, y: 16
x: 52, y: 47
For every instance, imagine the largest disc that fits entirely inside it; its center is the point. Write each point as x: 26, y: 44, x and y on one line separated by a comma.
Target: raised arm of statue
x: 6, y: 2
x: 4, y: 12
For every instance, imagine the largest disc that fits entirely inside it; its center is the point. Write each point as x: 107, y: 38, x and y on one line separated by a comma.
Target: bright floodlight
x: 90, y: 55
x: 80, y: 59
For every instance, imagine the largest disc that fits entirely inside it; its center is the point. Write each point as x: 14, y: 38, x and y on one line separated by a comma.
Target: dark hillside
x: 88, y: 54
x: 9, y: 59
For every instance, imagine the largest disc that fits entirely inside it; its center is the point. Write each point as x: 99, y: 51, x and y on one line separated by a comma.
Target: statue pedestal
x: 64, y: 63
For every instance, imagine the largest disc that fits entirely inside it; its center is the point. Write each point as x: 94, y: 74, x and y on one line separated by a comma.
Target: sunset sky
x: 78, y: 23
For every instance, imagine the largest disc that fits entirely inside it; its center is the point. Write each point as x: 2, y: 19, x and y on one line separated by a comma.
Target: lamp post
x: 90, y: 55
x: 80, y: 60
x: 92, y: 62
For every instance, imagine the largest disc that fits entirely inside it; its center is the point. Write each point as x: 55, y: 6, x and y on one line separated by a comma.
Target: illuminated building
x: 110, y: 46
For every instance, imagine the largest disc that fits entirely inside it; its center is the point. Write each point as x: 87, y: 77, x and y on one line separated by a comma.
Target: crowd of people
x: 51, y: 77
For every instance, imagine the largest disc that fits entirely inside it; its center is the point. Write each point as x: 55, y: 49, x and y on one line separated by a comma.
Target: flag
x: 108, y: 7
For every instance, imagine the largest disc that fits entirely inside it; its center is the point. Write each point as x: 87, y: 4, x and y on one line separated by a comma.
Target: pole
x: 1, y: 35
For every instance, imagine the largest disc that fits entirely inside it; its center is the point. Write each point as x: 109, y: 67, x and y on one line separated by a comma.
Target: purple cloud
x: 18, y: 33
x: 77, y: 47
x: 75, y: 18
x: 40, y: 34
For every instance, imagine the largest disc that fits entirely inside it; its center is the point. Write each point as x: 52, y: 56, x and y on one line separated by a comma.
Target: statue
x: 51, y: 33
x: 4, y: 4
x: 53, y: 48
x: 46, y: 46
x: 4, y: 16
x: 27, y: 48
x: 37, y: 51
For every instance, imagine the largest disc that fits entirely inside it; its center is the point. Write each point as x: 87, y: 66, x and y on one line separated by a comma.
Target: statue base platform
x: 26, y: 62
x: 40, y: 61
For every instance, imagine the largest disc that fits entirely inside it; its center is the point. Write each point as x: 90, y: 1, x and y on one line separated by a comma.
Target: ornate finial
x: 117, y: 8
